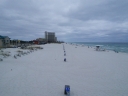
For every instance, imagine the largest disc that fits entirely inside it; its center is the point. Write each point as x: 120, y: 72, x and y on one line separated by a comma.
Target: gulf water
x: 114, y: 46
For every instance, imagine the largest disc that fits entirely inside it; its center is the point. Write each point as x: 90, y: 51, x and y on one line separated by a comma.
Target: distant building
x: 55, y: 39
x: 35, y: 42
x: 1, y: 43
x: 15, y: 42
x: 50, y: 37
x: 39, y: 41
x: 4, y: 41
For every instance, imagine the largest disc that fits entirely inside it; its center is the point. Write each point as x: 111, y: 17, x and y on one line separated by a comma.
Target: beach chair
x: 67, y: 90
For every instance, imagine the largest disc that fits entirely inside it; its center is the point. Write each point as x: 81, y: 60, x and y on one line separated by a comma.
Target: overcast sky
x: 71, y: 20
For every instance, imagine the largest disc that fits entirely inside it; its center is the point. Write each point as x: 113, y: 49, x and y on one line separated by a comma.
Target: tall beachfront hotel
x: 50, y: 37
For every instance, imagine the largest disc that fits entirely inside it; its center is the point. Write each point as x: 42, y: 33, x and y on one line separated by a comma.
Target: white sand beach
x: 44, y: 72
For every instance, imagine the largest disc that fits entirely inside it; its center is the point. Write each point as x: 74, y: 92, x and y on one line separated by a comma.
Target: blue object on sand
x: 65, y: 59
x: 67, y: 89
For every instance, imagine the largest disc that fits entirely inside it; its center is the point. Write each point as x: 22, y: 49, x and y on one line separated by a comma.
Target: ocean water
x: 119, y: 47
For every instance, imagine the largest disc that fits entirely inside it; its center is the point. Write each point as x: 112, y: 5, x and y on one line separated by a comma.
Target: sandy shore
x: 44, y: 72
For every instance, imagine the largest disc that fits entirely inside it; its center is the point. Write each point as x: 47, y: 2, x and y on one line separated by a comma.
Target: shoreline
x: 107, y: 45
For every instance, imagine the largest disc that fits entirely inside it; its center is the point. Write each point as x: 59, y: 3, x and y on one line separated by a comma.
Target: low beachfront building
x: 4, y: 41
x: 39, y: 41
x: 15, y: 42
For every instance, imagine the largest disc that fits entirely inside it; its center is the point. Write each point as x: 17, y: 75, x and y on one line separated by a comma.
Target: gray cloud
x: 72, y: 20
x: 101, y: 9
